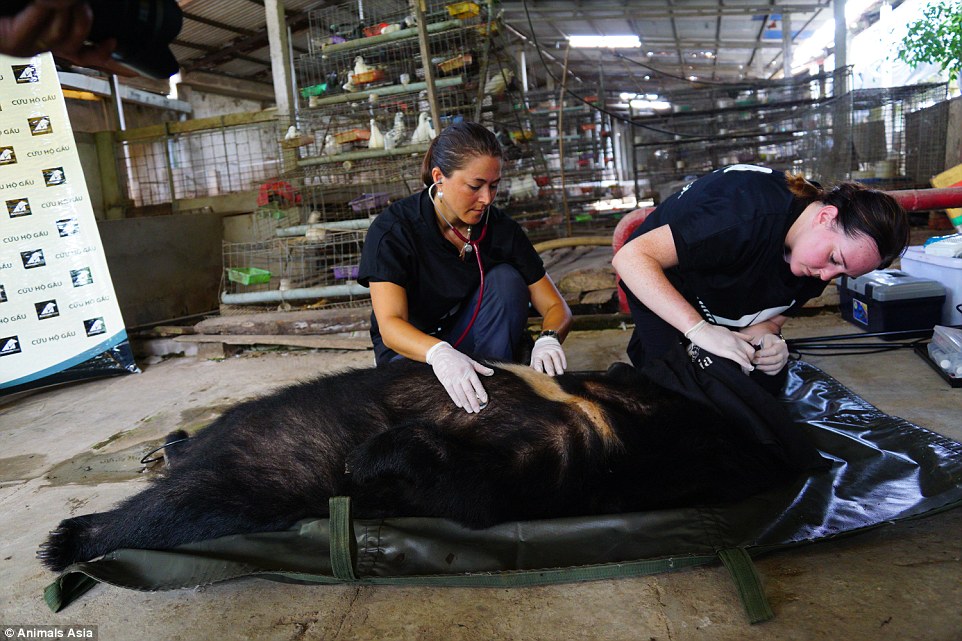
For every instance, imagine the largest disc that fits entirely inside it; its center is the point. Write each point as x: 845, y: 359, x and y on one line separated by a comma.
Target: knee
x: 505, y: 278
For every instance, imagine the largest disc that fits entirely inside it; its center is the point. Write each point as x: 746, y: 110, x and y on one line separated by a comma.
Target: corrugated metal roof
x: 230, y: 36
x: 736, y: 39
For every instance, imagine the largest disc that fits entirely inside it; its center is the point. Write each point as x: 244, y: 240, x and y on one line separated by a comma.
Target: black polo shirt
x: 729, y: 230
x: 404, y: 246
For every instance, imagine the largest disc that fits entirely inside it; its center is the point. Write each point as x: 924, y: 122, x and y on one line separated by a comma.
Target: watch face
x: 549, y: 332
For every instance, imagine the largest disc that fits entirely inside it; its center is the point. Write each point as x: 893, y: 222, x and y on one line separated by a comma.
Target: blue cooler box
x: 889, y: 300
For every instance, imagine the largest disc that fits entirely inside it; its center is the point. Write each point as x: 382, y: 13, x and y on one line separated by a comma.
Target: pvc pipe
x: 334, y: 225
x: 281, y: 295
x: 926, y: 199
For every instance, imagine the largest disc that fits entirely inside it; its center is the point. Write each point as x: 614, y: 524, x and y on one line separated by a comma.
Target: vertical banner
x: 59, y: 316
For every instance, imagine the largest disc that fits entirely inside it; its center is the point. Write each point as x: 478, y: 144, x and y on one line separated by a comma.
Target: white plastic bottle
x: 950, y: 362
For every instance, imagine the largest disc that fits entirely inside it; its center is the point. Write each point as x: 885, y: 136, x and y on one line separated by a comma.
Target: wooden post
x: 109, y: 179
x: 419, y: 10
x: 561, y: 140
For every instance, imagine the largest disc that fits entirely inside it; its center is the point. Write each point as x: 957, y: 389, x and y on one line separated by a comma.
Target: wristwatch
x: 548, y: 332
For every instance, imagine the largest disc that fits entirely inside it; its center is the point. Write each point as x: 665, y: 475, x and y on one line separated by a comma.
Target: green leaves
x: 936, y: 38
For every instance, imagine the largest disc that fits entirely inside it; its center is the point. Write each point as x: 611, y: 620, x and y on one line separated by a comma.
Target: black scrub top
x: 729, y: 231
x: 404, y: 246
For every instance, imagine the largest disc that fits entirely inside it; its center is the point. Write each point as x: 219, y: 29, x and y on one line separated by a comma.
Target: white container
x: 943, y: 269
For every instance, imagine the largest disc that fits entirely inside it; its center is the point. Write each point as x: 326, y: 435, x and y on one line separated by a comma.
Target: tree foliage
x: 936, y: 38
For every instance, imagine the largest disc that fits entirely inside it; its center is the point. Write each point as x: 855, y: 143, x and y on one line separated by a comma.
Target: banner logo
x: 81, y: 277
x: 95, y: 326
x: 68, y: 227
x: 7, y: 156
x: 3, y: 293
x: 25, y: 73
x: 32, y: 258
x: 54, y: 176
x: 47, y: 309
x: 18, y: 207
x: 40, y: 125
x: 9, y: 345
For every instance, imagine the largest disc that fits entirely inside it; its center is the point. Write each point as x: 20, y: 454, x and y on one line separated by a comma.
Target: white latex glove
x: 772, y: 356
x: 459, y: 375
x: 723, y: 342
x: 548, y: 356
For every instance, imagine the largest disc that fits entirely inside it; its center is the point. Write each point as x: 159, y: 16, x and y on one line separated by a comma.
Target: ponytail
x: 802, y: 189
x: 427, y: 164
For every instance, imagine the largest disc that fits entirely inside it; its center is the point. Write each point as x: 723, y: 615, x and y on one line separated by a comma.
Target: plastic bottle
x: 950, y: 362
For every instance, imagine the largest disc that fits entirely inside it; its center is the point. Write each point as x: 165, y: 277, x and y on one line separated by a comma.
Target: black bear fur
x: 391, y: 439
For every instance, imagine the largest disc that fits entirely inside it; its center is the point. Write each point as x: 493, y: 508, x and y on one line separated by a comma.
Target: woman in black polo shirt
x: 723, y: 261
x: 423, y: 259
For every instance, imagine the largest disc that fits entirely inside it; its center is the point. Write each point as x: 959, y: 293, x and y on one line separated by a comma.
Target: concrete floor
x: 74, y: 450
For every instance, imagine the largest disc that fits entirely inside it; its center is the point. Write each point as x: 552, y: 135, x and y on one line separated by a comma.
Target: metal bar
x: 370, y: 41
x: 388, y: 90
x: 307, y: 293
x: 338, y: 225
x: 364, y: 154
x: 620, y: 11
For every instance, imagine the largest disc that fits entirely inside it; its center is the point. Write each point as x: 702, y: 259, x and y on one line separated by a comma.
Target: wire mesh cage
x: 886, y: 138
x: 561, y: 161
x: 316, y: 260
x: 783, y: 124
x: 899, y: 135
x: 378, y: 51
x: 205, y: 162
x: 364, y: 99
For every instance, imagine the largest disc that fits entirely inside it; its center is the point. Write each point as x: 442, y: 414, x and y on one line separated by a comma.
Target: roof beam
x: 621, y: 11
x: 240, y: 46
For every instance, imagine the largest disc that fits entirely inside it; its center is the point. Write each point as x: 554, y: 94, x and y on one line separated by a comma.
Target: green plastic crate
x: 248, y: 275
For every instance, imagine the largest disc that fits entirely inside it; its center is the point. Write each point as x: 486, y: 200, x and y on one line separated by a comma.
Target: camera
x: 143, y: 29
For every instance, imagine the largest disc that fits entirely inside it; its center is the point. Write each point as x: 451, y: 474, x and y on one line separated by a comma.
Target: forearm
x: 557, y: 318
x: 771, y: 326
x: 405, y: 339
x: 646, y: 279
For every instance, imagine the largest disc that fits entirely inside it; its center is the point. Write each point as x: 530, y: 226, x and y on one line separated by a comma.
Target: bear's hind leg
x: 161, y: 517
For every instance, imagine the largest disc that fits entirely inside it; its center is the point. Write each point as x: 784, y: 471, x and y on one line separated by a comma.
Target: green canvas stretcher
x: 884, y: 469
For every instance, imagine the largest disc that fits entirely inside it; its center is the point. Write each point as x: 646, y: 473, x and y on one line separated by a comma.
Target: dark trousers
x: 498, y: 330
x: 652, y: 337
x: 496, y: 333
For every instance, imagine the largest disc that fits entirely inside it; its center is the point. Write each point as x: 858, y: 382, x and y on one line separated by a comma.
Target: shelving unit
x: 798, y: 125
x: 364, y: 120
x: 365, y: 102
x: 565, y: 162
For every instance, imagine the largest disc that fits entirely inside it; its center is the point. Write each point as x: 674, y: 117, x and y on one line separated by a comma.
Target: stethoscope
x: 470, y: 247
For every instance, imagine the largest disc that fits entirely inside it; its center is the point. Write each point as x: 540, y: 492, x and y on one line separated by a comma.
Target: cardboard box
x: 943, y: 269
x: 889, y: 300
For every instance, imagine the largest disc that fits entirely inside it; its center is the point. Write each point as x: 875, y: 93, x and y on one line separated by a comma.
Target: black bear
x: 391, y: 439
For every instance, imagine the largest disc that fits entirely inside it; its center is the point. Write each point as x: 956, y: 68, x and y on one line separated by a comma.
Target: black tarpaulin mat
x: 883, y: 469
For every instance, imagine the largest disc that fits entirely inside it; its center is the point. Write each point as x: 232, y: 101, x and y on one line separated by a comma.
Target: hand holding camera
x: 125, y: 37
